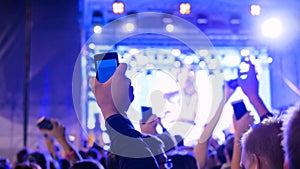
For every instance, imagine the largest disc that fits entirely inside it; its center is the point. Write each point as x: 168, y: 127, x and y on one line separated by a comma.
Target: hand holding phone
x: 106, y: 65
x: 44, y: 123
x: 146, y: 113
x: 239, y: 109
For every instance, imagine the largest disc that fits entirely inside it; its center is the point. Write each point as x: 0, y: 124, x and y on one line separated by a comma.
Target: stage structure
x: 168, y: 70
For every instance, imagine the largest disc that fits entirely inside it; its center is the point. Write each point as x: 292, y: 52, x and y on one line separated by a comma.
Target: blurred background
x: 47, y: 49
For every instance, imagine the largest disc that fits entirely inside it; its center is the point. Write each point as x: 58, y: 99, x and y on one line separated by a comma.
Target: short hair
x: 264, y: 140
x: 87, y: 163
x: 27, y: 165
x: 291, y: 139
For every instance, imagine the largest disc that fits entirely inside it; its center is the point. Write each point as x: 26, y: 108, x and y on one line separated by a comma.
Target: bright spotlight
x: 92, y: 46
x: 97, y: 29
x: 170, y: 27
x: 272, y: 28
x: 255, y: 10
x: 176, y: 52
x: 129, y: 27
x: 270, y: 59
x: 134, y: 51
x: 185, y: 8
x: 118, y: 7
x: 245, y: 52
x: 188, y: 60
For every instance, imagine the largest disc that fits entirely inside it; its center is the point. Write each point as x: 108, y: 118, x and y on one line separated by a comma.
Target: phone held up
x: 44, y: 123
x: 146, y: 113
x: 239, y: 109
x: 106, y: 65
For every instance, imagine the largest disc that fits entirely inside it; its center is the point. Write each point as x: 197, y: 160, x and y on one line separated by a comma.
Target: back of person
x: 183, y: 161
x: 261, y: 146
x: 292, y: 141
x: 87, y: 164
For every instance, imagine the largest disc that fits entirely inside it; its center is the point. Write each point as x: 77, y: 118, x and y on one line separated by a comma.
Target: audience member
x: 87, y: 164
x: 291, y: 140
x: 27, y: 165
x: 59, y: 133
x: 114, y: 98
x: 261, y: 146
x: 201, y: 149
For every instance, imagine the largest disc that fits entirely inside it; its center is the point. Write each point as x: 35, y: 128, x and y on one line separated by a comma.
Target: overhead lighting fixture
x: 170, y: 27
x: 118, y: 7
x: 255, y: 10
x: 129, y: 26
x: 97, y: 29
x: 97, y: 21
x: 185, y: 8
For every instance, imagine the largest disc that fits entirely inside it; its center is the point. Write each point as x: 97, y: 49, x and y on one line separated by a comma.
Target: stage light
x: 202, y: 64
x: 185, y: 8
x: 97, y: 29
x: 245, y: 52
x: 255, y: 10
x: 134, y: 51
x: 231, y: 60
x: 176, y: 52
x: 130, y: 27
x: 272, y: 28
x: 177, y: 63
x: 170, y: 27
x: 97, y: 21
x: 203, y: 52
x: 188, y: 60
x: 92, y: 46
x: 118, y: 7
x: 270, y: 59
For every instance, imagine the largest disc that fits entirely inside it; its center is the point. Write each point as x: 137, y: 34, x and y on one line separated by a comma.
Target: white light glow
x: 71, y: 138
x: 170, y: 27
x: 245, y: 52
x: 255, y: 10
x: 188, y: 60
x: 272, y: 28
x: 118, y: 7
x: 270, y: 60
x: 92, y: 46
x: 130, y: 27
x: 177, y: 64
x: 97, y: 29
x: 134, y: 51
x: 232, y: 60
x: 176, y: 52
x: 185, y: 8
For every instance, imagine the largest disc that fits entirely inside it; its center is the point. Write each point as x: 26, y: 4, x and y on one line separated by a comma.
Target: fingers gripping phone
x: 239, y: 109
x: 106, y: 65
x: 146, y: 113
x: 44, y: 123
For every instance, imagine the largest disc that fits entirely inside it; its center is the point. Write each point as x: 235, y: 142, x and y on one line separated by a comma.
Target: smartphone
x: 146, y: 113
x: 239, y: 109
x: 44, y: 123
x: 233, y: 83
x: 106, y: 65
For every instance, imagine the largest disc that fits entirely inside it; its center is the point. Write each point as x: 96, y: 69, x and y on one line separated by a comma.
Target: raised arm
x: 201, y: 149
x: 114, y: 97
x: 240, y: 127
x: 249, y: 86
